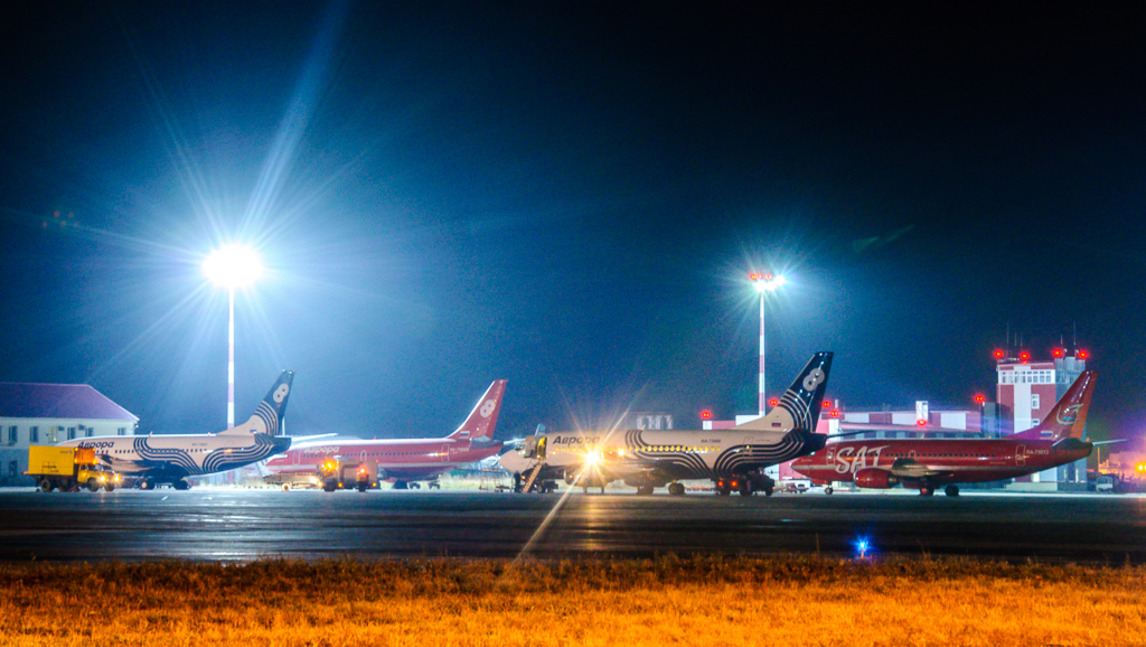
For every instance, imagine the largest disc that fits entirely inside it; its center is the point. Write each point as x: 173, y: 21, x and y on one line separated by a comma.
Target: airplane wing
x: 907, y: 468
x: 298, y: 440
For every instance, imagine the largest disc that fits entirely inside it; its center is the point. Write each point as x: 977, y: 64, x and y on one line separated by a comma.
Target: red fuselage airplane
x: 401, y: 460
x: 925, y: 464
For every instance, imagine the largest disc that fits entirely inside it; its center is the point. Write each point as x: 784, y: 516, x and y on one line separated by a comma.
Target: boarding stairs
x: 533, y: 474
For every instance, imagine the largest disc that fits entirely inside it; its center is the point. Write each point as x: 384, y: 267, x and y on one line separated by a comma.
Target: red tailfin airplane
x: 400, y: 460
x: 925, y: 464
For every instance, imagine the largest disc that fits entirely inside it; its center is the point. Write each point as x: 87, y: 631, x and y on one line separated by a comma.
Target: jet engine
x: 875, y: 478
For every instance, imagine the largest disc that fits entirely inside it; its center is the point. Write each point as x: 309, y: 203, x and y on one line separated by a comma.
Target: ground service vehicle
x: 358, y: 475
x: 68, y: 469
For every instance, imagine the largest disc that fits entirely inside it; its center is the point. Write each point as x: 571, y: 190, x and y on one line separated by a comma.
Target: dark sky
x: 570, y: 196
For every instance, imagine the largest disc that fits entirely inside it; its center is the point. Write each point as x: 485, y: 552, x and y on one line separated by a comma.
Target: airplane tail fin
x: 800, y: 406
x: 269, y: 415
x: 483, y: 419
x: 1068, y: 417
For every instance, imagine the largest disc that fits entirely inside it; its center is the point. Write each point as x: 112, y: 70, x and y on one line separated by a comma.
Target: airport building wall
x: 47, y: 414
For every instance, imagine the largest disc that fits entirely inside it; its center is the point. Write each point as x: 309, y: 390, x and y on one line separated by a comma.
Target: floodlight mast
x: 765, y: 283
x: 232, y: 266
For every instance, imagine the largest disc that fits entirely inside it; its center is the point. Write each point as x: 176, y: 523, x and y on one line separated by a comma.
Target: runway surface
x: 236, y: 525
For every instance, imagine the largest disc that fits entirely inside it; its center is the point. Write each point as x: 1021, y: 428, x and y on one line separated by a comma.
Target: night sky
x: 569, y: 196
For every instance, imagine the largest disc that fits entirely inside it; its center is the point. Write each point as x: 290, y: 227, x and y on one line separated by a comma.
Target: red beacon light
x: 706, y: 414
x: 773, y: 402
x: 1024, y: 357
x: 826, y: 404
x: 1082, y: 354
x: 999, y: 354
x: 834, y: 413
x: 1058, y: 353
x: 980, y: 398
x: 921, y: 422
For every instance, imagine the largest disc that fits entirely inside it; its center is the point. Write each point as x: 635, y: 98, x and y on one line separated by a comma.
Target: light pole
x: 232, y: 266
x: 765, y: 283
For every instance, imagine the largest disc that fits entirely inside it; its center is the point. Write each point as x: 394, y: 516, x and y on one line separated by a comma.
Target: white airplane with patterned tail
x: 734, y: 459
x: 171, y: 458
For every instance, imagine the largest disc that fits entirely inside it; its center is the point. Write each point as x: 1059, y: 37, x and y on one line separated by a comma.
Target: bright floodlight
x: 767, y: 282
x: 233, y: 266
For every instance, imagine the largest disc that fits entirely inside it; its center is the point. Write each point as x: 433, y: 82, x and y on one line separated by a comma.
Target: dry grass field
x: 669, y: 601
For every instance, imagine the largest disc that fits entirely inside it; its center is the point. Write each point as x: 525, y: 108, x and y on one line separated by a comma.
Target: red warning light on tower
x: 999, y: 354
x: 921, y: 422
x: 980, y: 398
x: 1024, y: 357
x: 773, y: 402
x: 706, y: 414
x: 1082, y: 354
x: 826, y: 404
x: 1058, y: 353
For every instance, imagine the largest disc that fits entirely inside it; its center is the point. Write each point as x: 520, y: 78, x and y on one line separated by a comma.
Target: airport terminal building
x: 46, y: 414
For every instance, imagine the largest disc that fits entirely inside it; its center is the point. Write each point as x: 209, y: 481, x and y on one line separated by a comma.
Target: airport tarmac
x: 238, y: 525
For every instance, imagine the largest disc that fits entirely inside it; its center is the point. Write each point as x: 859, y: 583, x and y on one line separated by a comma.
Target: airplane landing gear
x: 926, y: 490
x: 676, y: 489
x: 951, y: 490
x: 644, y: 490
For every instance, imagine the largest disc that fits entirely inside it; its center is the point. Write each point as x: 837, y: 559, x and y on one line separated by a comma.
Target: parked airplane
x: 398, y: 460
x: 646, y: 459
x: 163, y: 458
x: 927, y: 463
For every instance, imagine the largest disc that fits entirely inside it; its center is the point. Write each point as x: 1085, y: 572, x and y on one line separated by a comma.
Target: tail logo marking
x: 813, y: 379
x: 1069, y: 415
x: 281, y: 393
x: 487, y: 408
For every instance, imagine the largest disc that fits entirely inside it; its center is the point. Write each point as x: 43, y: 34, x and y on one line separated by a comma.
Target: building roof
x: 22, y: 400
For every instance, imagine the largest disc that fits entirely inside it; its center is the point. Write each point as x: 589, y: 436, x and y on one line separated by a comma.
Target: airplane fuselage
x: 401, y: 460
x: 172, y: 457
x: 945, y: 461
x: 638, y: 456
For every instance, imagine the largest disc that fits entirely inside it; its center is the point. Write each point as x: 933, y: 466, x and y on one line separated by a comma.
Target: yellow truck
x: 67, y: 469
